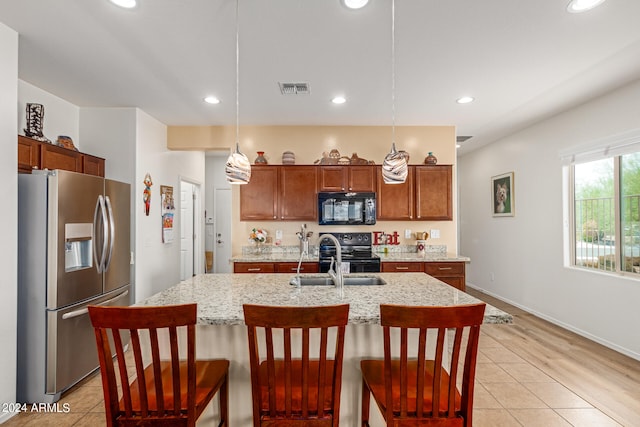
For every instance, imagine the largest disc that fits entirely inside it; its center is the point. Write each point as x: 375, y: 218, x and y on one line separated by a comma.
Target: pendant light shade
x: 394, y: 166
x: 238, y: 168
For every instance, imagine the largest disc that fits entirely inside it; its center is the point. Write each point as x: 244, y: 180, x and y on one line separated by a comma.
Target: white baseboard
x: 557, y: 322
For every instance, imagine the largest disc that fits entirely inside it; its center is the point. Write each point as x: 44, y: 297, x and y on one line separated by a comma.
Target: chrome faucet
x: 303, y: 236
x: 335, y: 271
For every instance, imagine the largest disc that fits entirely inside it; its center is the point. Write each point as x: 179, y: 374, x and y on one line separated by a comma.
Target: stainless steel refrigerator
x: 73, y: 251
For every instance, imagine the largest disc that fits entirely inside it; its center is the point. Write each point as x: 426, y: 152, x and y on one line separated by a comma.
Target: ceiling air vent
x: 461, y: 139
x: 294, y: 88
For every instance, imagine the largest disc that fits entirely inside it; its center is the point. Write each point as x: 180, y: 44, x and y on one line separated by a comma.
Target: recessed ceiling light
x: 577, y: 6
x: 212, y: 100
x: 339, y: 100
x: 355, y: 4
x: 127, y: 4
x: 465, y: 100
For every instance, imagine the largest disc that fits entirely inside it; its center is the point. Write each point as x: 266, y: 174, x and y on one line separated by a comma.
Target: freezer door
x: 71, y: 269
x: 118, y: 266
x: 71, y: 342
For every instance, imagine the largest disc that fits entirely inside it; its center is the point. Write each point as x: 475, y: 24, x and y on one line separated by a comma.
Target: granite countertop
x: 220, y: 296
x: 388, y: 257
x: 273, y: 257
x: 415, y: 257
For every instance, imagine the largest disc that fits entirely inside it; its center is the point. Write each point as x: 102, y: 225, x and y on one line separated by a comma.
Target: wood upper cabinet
x: 433, y: 189
x: 28, y: 154
x: 259, y: 198
x: 54, y: 157
x: 347, y: 178
x: 34, y: 154
x: 298, y: 197
x: 280, y: 192
x: 92, y: 165
x: 395, y: 201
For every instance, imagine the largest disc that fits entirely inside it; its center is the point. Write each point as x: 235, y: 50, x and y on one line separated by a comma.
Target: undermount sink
x: 348, y: 281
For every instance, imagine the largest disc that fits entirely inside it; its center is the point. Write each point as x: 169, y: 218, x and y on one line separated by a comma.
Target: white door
x: 186, y: 230
x: 222, y: 230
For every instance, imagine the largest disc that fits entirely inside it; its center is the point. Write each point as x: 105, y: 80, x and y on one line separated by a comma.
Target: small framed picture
x: 503, y: 195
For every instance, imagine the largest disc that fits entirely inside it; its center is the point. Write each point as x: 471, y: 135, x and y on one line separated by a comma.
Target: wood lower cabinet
x: 253, y: 267
x: 452, y: 273
x: 34, y: 154
x: 274, y: 267
x: 292, y: 267
x: 402, y: 267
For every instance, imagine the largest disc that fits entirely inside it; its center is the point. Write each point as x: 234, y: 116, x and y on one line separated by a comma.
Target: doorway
x: 222, y: 230
x: 190, y: 253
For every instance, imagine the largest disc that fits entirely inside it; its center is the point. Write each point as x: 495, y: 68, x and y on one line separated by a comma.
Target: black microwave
x: 346, y: 208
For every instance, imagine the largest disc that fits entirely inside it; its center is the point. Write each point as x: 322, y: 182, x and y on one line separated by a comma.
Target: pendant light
x: 238, y: 168
x: 394, y: 167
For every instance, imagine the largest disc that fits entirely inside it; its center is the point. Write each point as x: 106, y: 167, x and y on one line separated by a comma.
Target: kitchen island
x: 221, y: 331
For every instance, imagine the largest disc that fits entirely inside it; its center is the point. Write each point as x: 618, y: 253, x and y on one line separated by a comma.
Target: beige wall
x: 308, y: 143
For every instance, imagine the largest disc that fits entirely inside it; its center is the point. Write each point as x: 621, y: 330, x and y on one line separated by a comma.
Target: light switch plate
x: 278, y: 234
x: 407, y: 234
x: 435, y: 233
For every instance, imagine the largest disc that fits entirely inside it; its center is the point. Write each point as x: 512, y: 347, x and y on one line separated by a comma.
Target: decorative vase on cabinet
x: 430, y: 159
x: 260, y: 160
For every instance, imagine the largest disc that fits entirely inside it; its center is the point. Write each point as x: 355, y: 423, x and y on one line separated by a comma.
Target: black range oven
x: 356, y: 251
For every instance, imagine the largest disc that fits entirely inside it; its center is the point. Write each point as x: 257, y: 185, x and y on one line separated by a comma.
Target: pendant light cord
x: 393, y: 73
x: 237, y: 75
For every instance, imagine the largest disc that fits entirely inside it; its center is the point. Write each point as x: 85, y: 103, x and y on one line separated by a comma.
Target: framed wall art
x: 503, y: 195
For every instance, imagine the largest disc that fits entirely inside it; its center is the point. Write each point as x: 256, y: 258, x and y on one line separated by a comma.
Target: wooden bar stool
x: 417, y: 390
x: 166, y: 392
x: 289, y: 390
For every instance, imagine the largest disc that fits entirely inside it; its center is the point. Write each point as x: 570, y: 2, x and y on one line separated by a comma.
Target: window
x: 606, y: 213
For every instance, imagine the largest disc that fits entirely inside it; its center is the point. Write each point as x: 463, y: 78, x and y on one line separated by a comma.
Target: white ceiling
x: 521, y: 60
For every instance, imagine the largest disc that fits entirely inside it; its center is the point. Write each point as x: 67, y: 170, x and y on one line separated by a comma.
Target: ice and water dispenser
x: 78, y: 246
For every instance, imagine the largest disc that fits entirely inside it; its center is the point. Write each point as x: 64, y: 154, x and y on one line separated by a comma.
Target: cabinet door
x: 402, y: 267
x: 395, y: 201
x: 433, y: 193
x: 92, y: 165
x: 332, y: 178
x: 253, y: 267
x: 28, y: 154
x: 298, y: 197
x: 361, y: 178
x: 53, y: 157
x: 452, y: 273
x: 292, y: 267
x: 259, y: 198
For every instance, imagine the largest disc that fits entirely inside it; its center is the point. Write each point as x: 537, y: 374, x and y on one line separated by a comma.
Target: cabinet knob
x: 275, y: 217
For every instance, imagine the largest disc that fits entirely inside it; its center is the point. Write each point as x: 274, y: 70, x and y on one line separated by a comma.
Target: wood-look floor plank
x: 608, y: 380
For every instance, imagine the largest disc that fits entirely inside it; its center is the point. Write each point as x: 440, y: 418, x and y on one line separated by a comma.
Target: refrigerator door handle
x: 112, y: 232
x: 83, y: 311
x: 100, y: 208
x: 95, y: 232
